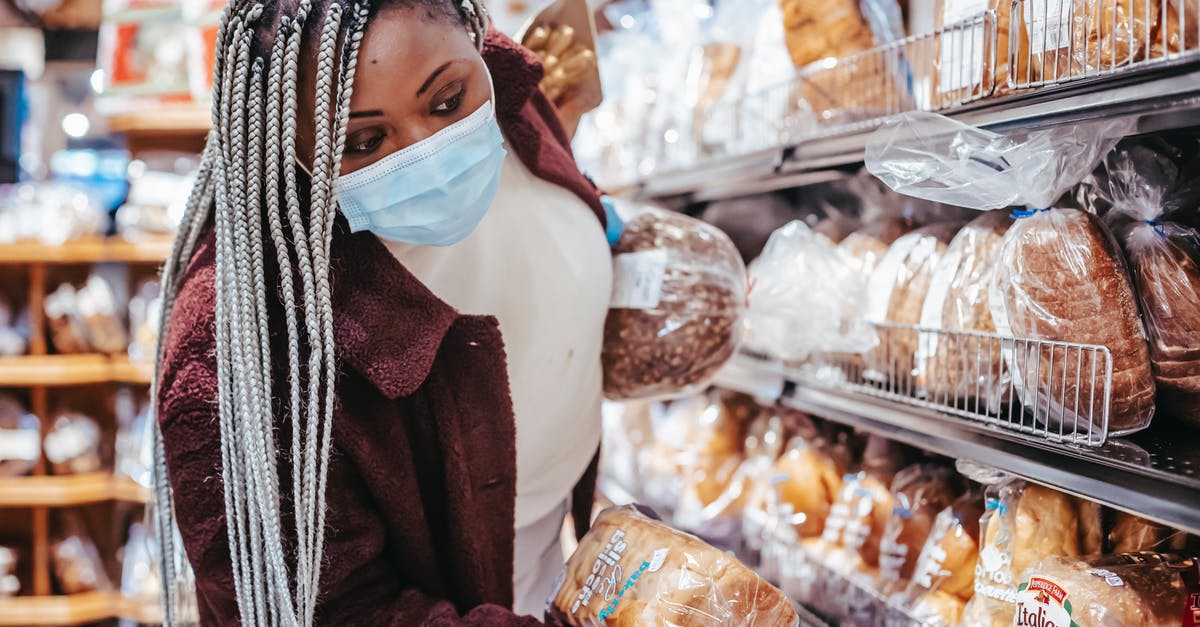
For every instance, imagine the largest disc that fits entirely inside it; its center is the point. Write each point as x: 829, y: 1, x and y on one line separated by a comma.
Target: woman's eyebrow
x: 433, y: 76
x: 365, y: 114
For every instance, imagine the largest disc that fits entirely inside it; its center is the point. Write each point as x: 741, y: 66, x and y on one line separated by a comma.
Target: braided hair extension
x: 249, y: 188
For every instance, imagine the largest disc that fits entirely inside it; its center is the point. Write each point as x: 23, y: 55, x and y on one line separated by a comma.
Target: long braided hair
x: 249, y: 187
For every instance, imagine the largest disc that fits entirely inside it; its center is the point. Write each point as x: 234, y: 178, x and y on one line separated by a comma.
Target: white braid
x: 248, y: 170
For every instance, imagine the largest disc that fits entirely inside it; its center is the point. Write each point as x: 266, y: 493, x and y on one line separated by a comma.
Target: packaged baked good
x: 946, y: 564
x: 965, y: 372
x: 715, y: 483
x: 563, y: 35
x: 920, y: 492
x: 804, y: 483
x: 896, y: 293
x: 628, y: 435
x: 68, y: 333
x: 860, y: 513
x: 806, y: 298
x: 1178, y: 32
x: 937, y: 609
x: 1132, y: 590
x: 630, y: 570
x: 139, y: 567
x: 10, y: 585
x: 14, y: 329
x: 1074, y: 38
x: 1132, y: 534
x: 20, y: 438
x: 679, y: 294
x: 1164, y: 262
x: 98, y: 309
x: 815, y: 31
x: 866, y: 247
x: 75, y: 560
x: 143, y: 321
x: 675, y: 426
x: 1061, y: 278
x: 971, y: 62
x: 72, y: 445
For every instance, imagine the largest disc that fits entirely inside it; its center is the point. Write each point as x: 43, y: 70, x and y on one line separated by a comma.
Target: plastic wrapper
x: 958, y: 370
x: 10, y: 585
x: 943, y: 577
x: 98, y: 308
x: 715, y: 483
x: 76, y: 562
x: 920, y: 494
x: 628, y: 443
x: 679, y: 294
x: 72, y: 445
x: 143, y: 321
x: 14, y: 329
x: 866, y: 246
x: 1164, y: 262
x: 1131, y: 590
x: 838, y: 28
x: 20, y: 438
x: 68, y: 332
x: 896, y: 293
x: 1024, y: 523
x: 630, y: 570
x: 139, y: 567
x: 802, y: 487
x: 806, y: 299
x: 1178, y: 33
x: 1133, y: 534
x: 964, y: 63
x: 675, y: 430
x: 1071, y: 38
x: 52, y: 213
x: 134, y: 438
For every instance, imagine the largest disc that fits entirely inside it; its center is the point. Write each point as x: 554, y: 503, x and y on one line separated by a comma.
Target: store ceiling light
x: 627, y: 21
x: 76, y: 125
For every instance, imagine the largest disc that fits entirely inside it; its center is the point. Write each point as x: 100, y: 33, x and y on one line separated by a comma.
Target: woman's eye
x: 364, y: 144
x: 449, y: 105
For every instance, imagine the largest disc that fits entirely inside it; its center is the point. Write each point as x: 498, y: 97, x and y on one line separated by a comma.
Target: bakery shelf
x: 88, y: 250
x: 171, y: 120
x: 64, y: 491
x: 1154, y: 473
x: 74, y: 609
x: 1162, y: 97
x: 62, y: 370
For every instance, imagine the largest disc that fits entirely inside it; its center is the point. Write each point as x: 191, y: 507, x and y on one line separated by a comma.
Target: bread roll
x: 1061, y: 278
x: 920, y: 493
x: 1096, y: 35
x: 1131, y: 590
x: 965, y: 372
x: 896, y: 294
x: 630, y: 570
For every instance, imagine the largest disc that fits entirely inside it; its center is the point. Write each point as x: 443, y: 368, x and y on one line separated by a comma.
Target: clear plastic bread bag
x: 678, y: 302
x: 72, y: 445
x: 76, y: 561
x: 676, y: 427
x: 628, y: 443
x: 1129, y: 589
x: 101, y: 315
x: 1075, y: 38
x: 20, y: 438
x: 943, y: 577
x: 1060, y: 278
x: 14, y: 329
x: 715, y: 482
x: 805, y: 297
x: 920, y: 493
x: 1164, y: 260
x: 631, y: 570
x: 10, y: 584
x: 962, y: 370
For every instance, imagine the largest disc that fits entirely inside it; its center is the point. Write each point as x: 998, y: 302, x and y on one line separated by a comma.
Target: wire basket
x: 1047, y: 391
x: 949, y: 67
x: 1059, y: 41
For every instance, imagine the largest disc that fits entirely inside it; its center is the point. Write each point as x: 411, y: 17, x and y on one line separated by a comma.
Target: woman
x: 379, y: 244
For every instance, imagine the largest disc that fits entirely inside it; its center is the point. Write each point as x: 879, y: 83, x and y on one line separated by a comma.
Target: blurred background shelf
x: 74, y: 609
x: 61, y: 370
x: 177, y: 120
x: 91, y: 250
x: 68, y: 490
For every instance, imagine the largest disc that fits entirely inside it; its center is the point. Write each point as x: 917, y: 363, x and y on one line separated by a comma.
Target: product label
x: 1047, y: 23
x: 606, y: 573
x: 892, y: 555
x: 961, y: 55
x: 1042, y: 603
x: 638, y: 279
x: 1109, y: 577
x: 18, y: 444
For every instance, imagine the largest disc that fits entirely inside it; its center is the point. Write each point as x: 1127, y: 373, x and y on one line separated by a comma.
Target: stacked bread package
x: 967, y: 372
x: 920, y: 493
x: 1131, y: 590
x: 971, y: 62
x: 1061, y: 278
x: 896, y: 294
x: 943, y: 579
x: 630, y: 570
x: 717, y: 480
x: 679, y: 293
x: 1164, y: 260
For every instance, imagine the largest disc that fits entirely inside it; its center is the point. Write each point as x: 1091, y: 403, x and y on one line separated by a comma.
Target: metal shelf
x: 1163, y: 97
x: 1154, y: 474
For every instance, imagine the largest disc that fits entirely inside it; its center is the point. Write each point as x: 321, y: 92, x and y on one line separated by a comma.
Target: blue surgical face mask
x: 434, y: 192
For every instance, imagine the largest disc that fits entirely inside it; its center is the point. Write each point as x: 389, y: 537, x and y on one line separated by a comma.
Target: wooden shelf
x: 62, y: 370
x: 90, y: 250
x: 176, y: 120
x: 65, y: 491
x: 73, y: 609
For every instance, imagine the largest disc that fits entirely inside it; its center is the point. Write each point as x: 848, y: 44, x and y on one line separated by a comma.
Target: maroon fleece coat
x: 422, y: 479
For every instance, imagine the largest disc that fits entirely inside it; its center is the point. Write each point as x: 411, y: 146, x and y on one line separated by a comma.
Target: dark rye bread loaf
x: 1061, y: 278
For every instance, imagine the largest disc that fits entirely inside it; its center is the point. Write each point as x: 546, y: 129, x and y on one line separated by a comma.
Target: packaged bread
x: 72, y: 445
x: 1132, y: 534
x: 866, y: 247
x: 1164, y: 262
x: 20, y: 438
x: 675, y: 431
x: 896, y: 294
x: 98, y: 308
x: 76, y: 561
x: 68, y: 333
x: 1061, y: 278
x: 716, y: 482
x: 817, y: 30
x: 679, y: 294
x: 964, y: 371
x: 854, y: 528
x: 1131, y: 590
x: 563, y: 36
x: 804, y: 481
x: 971, y: 63
x: 628, y: 442
x: 937, y: 609
x: 631, y: 570
x: 1178, y: 32
x: 920, y: 493
x: 1074, y: 38
x: 946, y: 564
x: 1023, y: 524
x: 10, y: 584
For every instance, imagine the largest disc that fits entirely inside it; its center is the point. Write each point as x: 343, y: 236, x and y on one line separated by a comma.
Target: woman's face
x: 418, y: 73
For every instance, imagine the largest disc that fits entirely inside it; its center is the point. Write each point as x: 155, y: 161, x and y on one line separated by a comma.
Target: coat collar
x: 515, y: 70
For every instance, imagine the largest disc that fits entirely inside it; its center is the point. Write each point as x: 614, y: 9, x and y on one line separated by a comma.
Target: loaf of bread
x: 920, y: 493
x: 866, y: 247
x: 896, y: 294
x: 965, y: 61
x: 630, y: 570
x: 1132, y: 534
x: 947, y: 561
x: 679, y: 293
x: 965, y: 372
x: 829, y: 28
x: 1060, y: 277
x: 1178, y: 32
x: 1131, y: 590
x: 937, y: 609
x: 1089, y: 36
